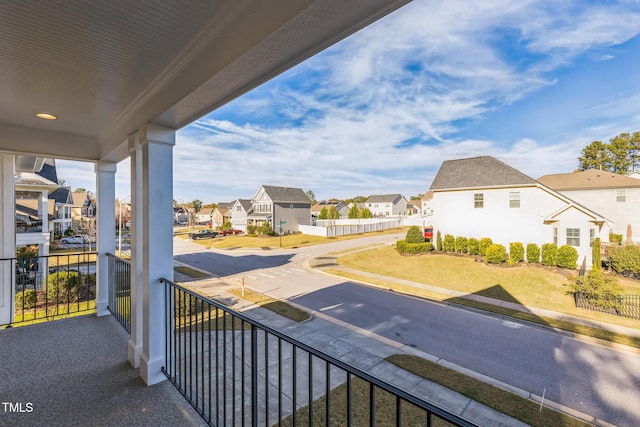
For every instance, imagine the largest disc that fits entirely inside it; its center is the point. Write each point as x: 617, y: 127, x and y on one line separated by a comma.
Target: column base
x: 134, y: 353
x: 102, y: 308
x: 150, y: 370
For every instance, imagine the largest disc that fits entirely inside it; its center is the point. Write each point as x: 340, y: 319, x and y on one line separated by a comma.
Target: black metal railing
x: 623, y: 305
x: 48, y: 287
x: 32, y: 227
x: 120, y: 290
x: 236, y: 371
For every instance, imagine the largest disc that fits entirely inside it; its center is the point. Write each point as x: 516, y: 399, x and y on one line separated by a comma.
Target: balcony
x: 224, y: 367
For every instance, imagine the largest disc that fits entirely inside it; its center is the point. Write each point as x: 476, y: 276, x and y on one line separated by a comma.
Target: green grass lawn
x: 279, y: 307
x: 528, y: 285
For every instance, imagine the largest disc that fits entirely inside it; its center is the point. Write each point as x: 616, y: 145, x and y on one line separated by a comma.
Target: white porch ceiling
x: 106, y: 68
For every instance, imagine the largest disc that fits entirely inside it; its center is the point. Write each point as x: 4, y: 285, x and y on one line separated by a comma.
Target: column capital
x: 106, y: 166
x: 157, y: 134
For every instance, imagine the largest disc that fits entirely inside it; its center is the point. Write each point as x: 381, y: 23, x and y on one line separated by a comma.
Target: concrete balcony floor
x: 74, y: 372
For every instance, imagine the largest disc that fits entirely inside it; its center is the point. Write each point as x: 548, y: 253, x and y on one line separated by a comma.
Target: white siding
x: 454, y: 214
x: 603, y: 201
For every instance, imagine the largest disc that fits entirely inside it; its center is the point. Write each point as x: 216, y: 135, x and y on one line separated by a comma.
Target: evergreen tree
x: 353, y: 212
x: 333, y: 213
x: 366, y: 213
x: 324, y: 214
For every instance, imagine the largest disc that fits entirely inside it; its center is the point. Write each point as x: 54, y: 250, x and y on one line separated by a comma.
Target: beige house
x: 615, y: 196
x: 83, y: 211
x: 221, y: 215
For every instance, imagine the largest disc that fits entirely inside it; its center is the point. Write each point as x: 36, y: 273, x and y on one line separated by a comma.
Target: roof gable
x: 384, y: 198
x: 286, y: 194
x: 590, y: 179
x: 478, y: 172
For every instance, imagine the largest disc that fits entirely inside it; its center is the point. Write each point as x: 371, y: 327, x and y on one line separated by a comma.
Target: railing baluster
x: 188, y: 384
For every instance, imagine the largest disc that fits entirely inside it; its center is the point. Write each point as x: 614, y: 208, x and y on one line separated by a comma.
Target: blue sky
x: 529, y: 82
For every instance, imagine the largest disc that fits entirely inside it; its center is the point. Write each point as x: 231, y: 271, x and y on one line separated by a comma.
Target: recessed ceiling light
x: 46, y: 116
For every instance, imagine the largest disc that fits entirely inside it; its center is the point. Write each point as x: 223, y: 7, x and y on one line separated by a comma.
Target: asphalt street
x: 589, y: 377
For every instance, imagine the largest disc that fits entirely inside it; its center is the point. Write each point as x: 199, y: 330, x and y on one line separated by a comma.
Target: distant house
x: 180, y: 215
x: 427, y: 203
x: 239, y: 212
x: 414, y: 207
x: 284, y: 208
x: 83, y: 211
x: 483, y: 197
x: 221, y: 214
x: 387, y: 205
x: 205, y: 216
x: 62, y: 208
x: 615, y: 196
x: 341, y: 208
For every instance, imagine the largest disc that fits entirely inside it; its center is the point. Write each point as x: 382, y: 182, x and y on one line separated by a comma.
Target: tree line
x: 620, y: 155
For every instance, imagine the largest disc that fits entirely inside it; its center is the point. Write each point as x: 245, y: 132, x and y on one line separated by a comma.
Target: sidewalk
x: 367, y: 351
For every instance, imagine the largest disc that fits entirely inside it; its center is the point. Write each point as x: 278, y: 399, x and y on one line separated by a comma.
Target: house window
x: 592, y: 236
x: 555, y: 236
x: 621, y: 196
x: 514, y: 199
x: 573, y: 236
x: 478, y: 200
x: 238, y: 208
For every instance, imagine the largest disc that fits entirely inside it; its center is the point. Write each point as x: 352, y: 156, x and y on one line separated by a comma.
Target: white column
x: 105, y: 231
x: 8, y: 237
x: 43, y: 249
x: 157, y: 244
x: 135, y: 340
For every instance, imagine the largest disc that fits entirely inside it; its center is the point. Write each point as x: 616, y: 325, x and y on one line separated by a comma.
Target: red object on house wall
x: 427, y: 232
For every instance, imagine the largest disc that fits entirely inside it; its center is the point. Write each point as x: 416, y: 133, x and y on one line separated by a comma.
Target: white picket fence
x: 345, y: 227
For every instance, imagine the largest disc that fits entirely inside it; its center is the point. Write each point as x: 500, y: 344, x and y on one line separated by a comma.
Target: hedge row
x: 413, y: 248
x: 550, y: 255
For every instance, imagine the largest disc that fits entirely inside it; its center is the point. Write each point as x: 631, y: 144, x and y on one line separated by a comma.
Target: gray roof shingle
x: 286, y: 194
x: 384, y: 198
x: 478, y: 172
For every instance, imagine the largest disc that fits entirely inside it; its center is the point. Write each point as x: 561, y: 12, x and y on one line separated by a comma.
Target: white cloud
x: 392, y: 102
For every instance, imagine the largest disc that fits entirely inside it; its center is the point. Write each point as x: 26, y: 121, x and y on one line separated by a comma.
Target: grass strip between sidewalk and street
x: 280, y: 307
x: 191, y: 272
x: 541, y: 320
x: 518, y: 407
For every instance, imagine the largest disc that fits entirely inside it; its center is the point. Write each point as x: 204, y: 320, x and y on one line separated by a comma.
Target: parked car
x: 203, y: 234
x: 230, y: 231
x: 77, y: 240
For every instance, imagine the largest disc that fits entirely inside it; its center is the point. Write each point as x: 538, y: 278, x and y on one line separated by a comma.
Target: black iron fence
x: 120, y: 290
x: 236, y: 371
x: 47, y: 287
x: 624, y: 305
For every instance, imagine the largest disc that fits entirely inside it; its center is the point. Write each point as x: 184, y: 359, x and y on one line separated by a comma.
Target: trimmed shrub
x: 533, y: 253
x: 473, y: 246
x: 252, y: 230
x: 449, y: 243
x: 615, y: 238
x: 26, y: 299
x: 438, y: 242
x: 595, y: 255
x: 625, y: 260
x: 496, y: 254
x: 414, y: 235
x: 63, y: 286
x: 413, y: 248
x: 516, y: 252
x: 567, y: 257
x: 599, y: 289
x: 416, y: 248
x: 483, y: 244
x: 461, y: 244
x: 549, y: 254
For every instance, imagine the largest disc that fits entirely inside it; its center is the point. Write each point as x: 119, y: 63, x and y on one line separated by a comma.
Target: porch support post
x: 8, y: 237
x: 105, y: 231
x: 135, y: 340
x: 157, y: 244
x: 43, y: 249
